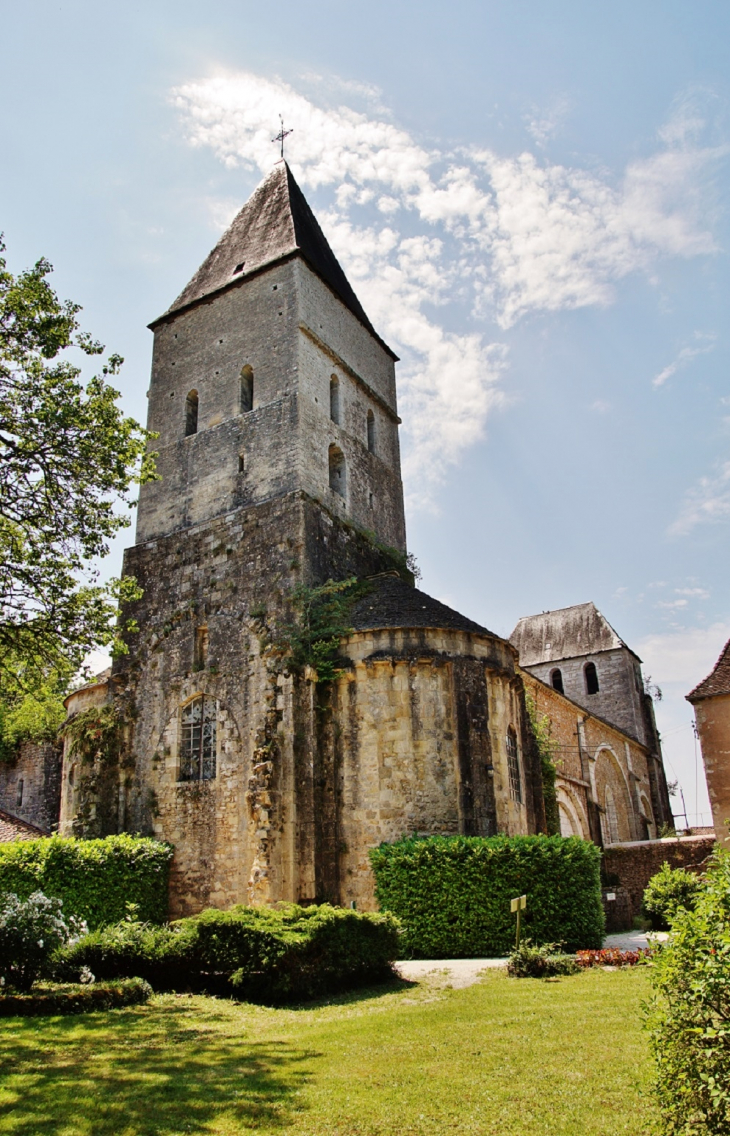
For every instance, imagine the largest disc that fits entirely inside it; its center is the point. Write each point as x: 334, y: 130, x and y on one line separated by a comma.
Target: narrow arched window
x: 335, y: 399
x: 198, y: 740
x: 513, y: 766
x: 591, y: 676
x: 371, y: 432
x: 609, y: 818
x: 19, y: 795
x: 191, y: 414
x: 338, y: 474
x: 556, y: 680
x: 241, y: 463
x: 246, y: 388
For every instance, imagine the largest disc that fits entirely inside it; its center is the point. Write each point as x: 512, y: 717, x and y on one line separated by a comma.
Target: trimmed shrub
x: 452, y: 893
x: 669, y: 891
x: 546, y: 961
x: 689, y: 1016
x: 96, y: 879
x: 76, y: 999
x: 30, y: 931
x: 259, y: 954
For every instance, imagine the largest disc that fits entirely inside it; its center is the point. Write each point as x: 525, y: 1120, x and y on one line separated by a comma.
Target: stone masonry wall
x: 713, y: 726
x: 593, y: 757
x: 635, y: 863
x: 30, y: 786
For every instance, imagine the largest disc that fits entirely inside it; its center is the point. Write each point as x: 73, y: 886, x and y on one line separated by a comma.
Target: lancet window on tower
x: 371, y: 432
x: 591, y: 677
x: 338, y: 473
x: 246, y: 388
x: 556, y: 680
x: 198, y: 740
x: 335, y: 399
x: 191, y: 413
x: 513, y: 766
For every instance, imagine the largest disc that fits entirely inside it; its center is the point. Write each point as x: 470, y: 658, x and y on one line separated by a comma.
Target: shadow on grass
x: 161, y: 1070
x: 359, y: 994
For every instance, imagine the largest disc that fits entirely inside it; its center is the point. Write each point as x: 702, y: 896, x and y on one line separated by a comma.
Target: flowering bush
x: 30, y: 931
x: 612, y: 956
x: 545, y: 960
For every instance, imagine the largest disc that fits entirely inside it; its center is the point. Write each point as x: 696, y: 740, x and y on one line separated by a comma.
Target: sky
x: 531, y: 201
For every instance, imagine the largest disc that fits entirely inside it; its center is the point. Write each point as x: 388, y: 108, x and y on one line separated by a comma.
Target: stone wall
x: 598, y: 765
x: 713, y: 727
x: 294, y: 334
x: 30, y: 786
x: 634, y: 863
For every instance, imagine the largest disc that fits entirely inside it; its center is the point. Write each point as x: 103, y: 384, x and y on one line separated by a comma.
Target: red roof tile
x: 717, y: 682
x: 13, y: 828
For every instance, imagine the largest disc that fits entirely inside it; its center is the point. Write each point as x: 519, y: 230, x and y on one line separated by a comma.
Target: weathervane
x: 282, y: 135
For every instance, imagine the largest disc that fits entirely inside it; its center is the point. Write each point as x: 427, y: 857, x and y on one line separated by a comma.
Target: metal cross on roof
x: 282, y: 135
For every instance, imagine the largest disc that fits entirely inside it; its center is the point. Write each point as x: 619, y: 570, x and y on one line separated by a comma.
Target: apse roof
x: 275, y: 224
x: 13, y: 828
x: 566, y: 633
x: 717, y: 682
x: 391, y: 602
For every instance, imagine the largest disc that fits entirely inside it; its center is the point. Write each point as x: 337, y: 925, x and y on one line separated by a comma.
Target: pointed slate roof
x: 566, y: 633
x: 275, y: 224
x: 390, y: 602
x: 717, y: 682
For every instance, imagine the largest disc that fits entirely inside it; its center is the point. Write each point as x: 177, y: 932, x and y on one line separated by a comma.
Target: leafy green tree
x: 68, y: 458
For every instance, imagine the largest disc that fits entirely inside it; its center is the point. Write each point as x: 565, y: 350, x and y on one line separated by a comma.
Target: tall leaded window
x: 371, y: 431
x: 513, y: 766
x: 198, y: 740
x: 246, y: 388
x: 191, y: 414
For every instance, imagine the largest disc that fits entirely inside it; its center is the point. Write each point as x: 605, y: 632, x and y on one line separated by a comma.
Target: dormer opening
x: 191, y: 413
x: 335, y: 399
x: 246, y: 389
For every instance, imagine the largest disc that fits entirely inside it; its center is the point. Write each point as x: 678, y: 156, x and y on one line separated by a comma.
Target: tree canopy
x: 69, y: 458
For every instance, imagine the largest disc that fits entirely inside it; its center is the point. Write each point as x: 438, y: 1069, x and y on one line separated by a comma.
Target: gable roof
x: 275, y: 224
x: 566, y: 633
x: 13, y: 828
x: 391, y: 602
x: 717, y: 681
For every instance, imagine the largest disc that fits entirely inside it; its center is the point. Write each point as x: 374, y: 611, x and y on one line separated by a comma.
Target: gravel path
x: 464, y: 972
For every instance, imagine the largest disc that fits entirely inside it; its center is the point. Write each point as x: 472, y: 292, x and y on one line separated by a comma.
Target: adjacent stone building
x: 711, y: 702
x: 30, y: 785
x: 576, y: 652
x: 275, y: 404
x: 603, y: 783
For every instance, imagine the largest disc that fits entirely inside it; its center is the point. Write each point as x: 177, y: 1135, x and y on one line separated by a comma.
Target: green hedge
x: 75, y: 999
x: 452, y: 893
x: 96, y: 879
x: 689, y: 1016
x: 258, y: 954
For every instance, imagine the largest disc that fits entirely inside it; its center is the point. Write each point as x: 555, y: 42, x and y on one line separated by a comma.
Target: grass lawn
x: 507, y: 1056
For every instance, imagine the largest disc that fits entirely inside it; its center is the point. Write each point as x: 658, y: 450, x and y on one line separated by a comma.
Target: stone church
x: 274, y: 402
x: 273, y: 399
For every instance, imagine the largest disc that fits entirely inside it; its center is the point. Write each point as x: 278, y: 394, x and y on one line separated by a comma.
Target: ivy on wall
x: 541, y: 727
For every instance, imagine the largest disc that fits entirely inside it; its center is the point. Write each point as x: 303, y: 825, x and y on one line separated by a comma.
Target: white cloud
x: 685, y: 356
x: 684, y: 656
x: 705, y: 503
x: 544, y: 124
x: 417, y: 228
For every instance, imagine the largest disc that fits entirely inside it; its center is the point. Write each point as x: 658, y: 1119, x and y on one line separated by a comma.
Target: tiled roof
x: 274, y: 224
x: 717, y: 682
x: 566, y: 633
x: 13, y: 828
x: 391, y: 602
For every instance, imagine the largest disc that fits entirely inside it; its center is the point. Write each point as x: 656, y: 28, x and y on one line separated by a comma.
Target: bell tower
x: 268, y: 380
